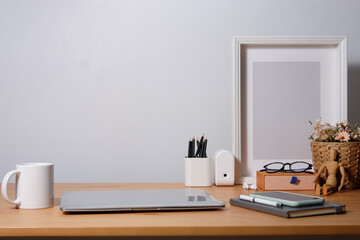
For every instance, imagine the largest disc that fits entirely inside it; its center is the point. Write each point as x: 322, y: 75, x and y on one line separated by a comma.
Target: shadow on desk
x: 332, y: 237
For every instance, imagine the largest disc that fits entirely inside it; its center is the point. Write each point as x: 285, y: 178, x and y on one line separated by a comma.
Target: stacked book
x: 284, y: 210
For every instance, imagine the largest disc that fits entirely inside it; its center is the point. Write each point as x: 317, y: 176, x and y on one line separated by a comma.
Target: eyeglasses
x: 294, y: 167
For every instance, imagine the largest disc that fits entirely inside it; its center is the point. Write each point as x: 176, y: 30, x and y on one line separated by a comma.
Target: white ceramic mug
x: 34, y: 185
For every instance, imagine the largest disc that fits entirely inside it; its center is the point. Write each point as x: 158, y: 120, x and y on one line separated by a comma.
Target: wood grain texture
x: 232, y: 221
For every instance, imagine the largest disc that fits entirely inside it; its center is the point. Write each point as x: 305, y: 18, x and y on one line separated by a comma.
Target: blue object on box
x: 293, y: 180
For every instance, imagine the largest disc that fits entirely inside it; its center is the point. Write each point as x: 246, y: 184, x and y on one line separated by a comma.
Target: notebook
x: 292, y: 212
x: 138, y: 200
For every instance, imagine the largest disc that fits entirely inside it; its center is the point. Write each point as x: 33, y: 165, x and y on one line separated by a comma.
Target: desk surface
x: 232, y: 221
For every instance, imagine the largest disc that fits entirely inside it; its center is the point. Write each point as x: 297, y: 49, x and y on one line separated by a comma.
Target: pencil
x: 205, y: 145
x: 198, y: 147
x: 202, y: 147
x: 191, y: 149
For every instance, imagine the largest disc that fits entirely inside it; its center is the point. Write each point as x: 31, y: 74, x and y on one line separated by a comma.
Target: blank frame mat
x: 281, y: 88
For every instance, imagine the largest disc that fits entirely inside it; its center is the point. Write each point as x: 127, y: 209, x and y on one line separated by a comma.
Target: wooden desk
x: 232, y: 221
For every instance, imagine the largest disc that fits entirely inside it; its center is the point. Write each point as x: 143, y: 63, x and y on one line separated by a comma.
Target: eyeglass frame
x: 282, y: 169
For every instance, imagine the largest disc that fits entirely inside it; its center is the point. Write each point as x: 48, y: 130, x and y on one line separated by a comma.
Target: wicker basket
x: 348, y: 155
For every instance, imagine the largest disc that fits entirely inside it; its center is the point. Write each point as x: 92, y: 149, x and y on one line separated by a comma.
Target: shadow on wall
x: 354, y: 94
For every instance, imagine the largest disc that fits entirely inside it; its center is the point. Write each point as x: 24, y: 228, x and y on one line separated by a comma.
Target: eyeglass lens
x: 274, y: 167
x: 299, y: 166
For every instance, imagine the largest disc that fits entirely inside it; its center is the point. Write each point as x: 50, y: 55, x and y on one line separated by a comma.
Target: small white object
x: 259, y: 200
x: 198, y: 172
x: 245, y: 185
x: 253, y: 187
x: 34, y: 185
x: 224, y: 168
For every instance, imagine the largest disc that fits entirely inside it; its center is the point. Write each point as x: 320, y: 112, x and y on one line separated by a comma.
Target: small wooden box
x: 281, y: 181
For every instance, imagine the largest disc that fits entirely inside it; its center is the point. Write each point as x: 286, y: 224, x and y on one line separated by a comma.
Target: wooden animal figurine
x: 331, y: 184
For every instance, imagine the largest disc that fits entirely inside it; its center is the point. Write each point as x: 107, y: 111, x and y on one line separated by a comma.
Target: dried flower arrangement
x: 341, y: 132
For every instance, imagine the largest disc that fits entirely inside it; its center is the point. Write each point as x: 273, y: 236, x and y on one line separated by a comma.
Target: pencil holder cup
x: 198, y: 172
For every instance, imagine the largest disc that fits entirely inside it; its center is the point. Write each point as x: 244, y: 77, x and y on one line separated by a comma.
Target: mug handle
x: 4, y: 187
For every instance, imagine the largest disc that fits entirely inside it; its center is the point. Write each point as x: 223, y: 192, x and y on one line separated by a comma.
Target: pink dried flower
x: 340, y: 132
x: 342, y: 136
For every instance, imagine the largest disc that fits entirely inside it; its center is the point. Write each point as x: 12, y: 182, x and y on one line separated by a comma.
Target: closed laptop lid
x: 138, y: 200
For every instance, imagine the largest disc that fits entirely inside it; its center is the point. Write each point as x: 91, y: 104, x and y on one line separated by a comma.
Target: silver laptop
x: 138, y: 200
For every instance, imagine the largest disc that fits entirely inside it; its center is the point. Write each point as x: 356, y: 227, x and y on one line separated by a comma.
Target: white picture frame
x: 326, y: 55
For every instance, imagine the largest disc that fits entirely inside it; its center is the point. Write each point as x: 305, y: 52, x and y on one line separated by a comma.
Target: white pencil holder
x: 198, y: 172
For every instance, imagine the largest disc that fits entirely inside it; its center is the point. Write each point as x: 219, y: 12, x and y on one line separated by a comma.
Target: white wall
x: 110, y: 91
